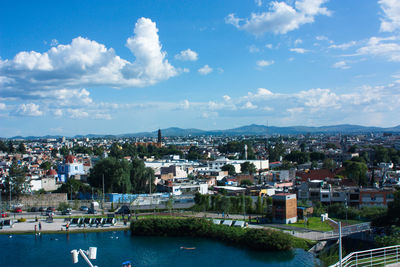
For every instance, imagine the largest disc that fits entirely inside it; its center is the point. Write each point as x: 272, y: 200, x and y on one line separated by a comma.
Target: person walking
x: 40, y: 226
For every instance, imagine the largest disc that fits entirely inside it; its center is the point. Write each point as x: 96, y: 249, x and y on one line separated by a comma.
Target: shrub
x: 21, y: 220
x: 259, y: 239
x: 62, y: 206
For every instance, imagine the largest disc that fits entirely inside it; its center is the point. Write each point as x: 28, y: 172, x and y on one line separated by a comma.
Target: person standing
x: 40, y: 226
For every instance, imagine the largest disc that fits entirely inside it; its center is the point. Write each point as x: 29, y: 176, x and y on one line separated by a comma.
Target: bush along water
x: 259, y: 239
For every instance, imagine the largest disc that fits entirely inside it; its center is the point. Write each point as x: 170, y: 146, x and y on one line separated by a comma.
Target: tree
x: 298, y: 156
x: 74, y: 186
x: 329, y: 164
x: 317, y: 156
x: 356, y: 171
x: 19, y: 184
x: 140, y: 177
x: 247, y: 167
x: 259, y: 205
x: 46, y: 165
x: 116, y: 151
x: 245, y: 182
x: 11, y: 148
x: 116, y: 175
x: 330, y: 146
x: 229, y: 168
x: 54, y: 152
x: 3, y: 146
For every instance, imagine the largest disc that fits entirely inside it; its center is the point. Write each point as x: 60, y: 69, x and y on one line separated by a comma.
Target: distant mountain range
x: 252, y: 129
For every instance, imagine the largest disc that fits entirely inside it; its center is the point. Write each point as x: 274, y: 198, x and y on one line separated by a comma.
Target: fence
x: 373, y: 257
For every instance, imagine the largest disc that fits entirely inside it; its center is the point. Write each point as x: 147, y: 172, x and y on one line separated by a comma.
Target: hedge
x: 259, y: 239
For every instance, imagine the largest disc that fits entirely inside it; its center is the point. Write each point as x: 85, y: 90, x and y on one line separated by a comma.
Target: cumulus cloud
x: 265, y: 63
x: 29, y: 109
x: 77, y: 113
x: 281, y: 17
x: 205, y: 70
x: 298, y: 50
x: 3, y: 106
x: 388, y: 48
x: 187, y: 55
x: 391, y: 19
x: 298, y: 41
x: 343, y: 46
x: 253, y: 49
x: 341, y: 65
x: 85, y: 62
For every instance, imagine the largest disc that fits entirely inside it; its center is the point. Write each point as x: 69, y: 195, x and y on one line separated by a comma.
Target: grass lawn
x: 349, y: 222
x: 314, y: 223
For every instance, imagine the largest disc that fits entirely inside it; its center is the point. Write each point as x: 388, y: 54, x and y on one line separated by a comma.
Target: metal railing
x: 373, y: 257
x: 346, y: 230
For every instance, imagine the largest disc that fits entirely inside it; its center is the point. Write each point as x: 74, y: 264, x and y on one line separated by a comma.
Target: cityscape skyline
x: 113, y: 68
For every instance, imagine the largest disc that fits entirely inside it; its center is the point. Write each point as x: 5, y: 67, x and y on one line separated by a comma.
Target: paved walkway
x: 58, y: 225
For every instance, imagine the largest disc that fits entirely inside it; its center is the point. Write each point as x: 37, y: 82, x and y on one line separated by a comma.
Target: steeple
x: 159, y: 136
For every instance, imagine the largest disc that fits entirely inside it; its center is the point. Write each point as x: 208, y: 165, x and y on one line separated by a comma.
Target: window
x: 325, y: 195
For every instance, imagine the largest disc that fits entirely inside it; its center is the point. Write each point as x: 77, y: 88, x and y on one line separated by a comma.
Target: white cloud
x: 249, y: 105
x: 102, y: 116
x: 322, y: 38
x: 341, y: 65
x: 54, y: 42
x: 30, y: 109
x: 298, y: 41
x: 258, y: 2
x: 269, y: 46
x: 388, y: 48
x: 187, y: 55
x: 58, y: 112
x: 205, y: 70
x: 77, y: 113
x: 265, y: 63
x: 343, y: 46
x: 253, y: 49
x: 227, y: 97
x: 295, y: 110
x: 84, y: 62
x: 185, y: 104
x: 3, y: 106
x: 391, y: 19
x: 281, y: 17
x: 298, y: 50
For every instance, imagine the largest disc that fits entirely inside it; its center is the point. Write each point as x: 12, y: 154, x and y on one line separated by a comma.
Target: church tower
x: 159, y: 136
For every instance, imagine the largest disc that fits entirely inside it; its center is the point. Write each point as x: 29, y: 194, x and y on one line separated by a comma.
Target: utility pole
x: 102, y: 204
x: 10, y: 194
x: 340, y: 244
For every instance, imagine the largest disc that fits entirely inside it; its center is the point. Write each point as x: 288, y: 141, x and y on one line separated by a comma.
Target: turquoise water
x: 115, y: 247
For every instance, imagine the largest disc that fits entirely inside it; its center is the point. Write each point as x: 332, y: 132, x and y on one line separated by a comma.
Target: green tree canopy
x: 116, y: 175
x: 229, y: 168
x: 298, y: 156
x: 356, y: 171
x: 140, y: 176
x: 17, y: 178
x: 247, y: 167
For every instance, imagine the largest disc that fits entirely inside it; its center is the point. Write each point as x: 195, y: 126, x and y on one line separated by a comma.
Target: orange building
x: 284, y: 208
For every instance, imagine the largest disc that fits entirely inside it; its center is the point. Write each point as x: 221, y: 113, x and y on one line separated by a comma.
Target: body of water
x: 53, y: 250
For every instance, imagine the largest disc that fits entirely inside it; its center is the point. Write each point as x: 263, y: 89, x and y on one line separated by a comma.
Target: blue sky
x: 112, y: 67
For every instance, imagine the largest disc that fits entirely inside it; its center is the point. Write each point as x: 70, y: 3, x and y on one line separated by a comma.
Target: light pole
x: 92, y: 252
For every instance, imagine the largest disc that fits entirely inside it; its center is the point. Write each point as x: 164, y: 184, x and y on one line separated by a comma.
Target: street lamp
x: 92, y: 252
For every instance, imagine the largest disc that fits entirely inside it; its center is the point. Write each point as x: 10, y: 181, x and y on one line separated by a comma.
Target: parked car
x: 34, y: 209
x: 41, y: 209
x: 67, y: 212
x: 51, y: 209
x: 92, y: 211
x: 124, y: 210
x: 4, y: 214
x: 50, y: 213
x: 18, y: 210
x: 84, y: 208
